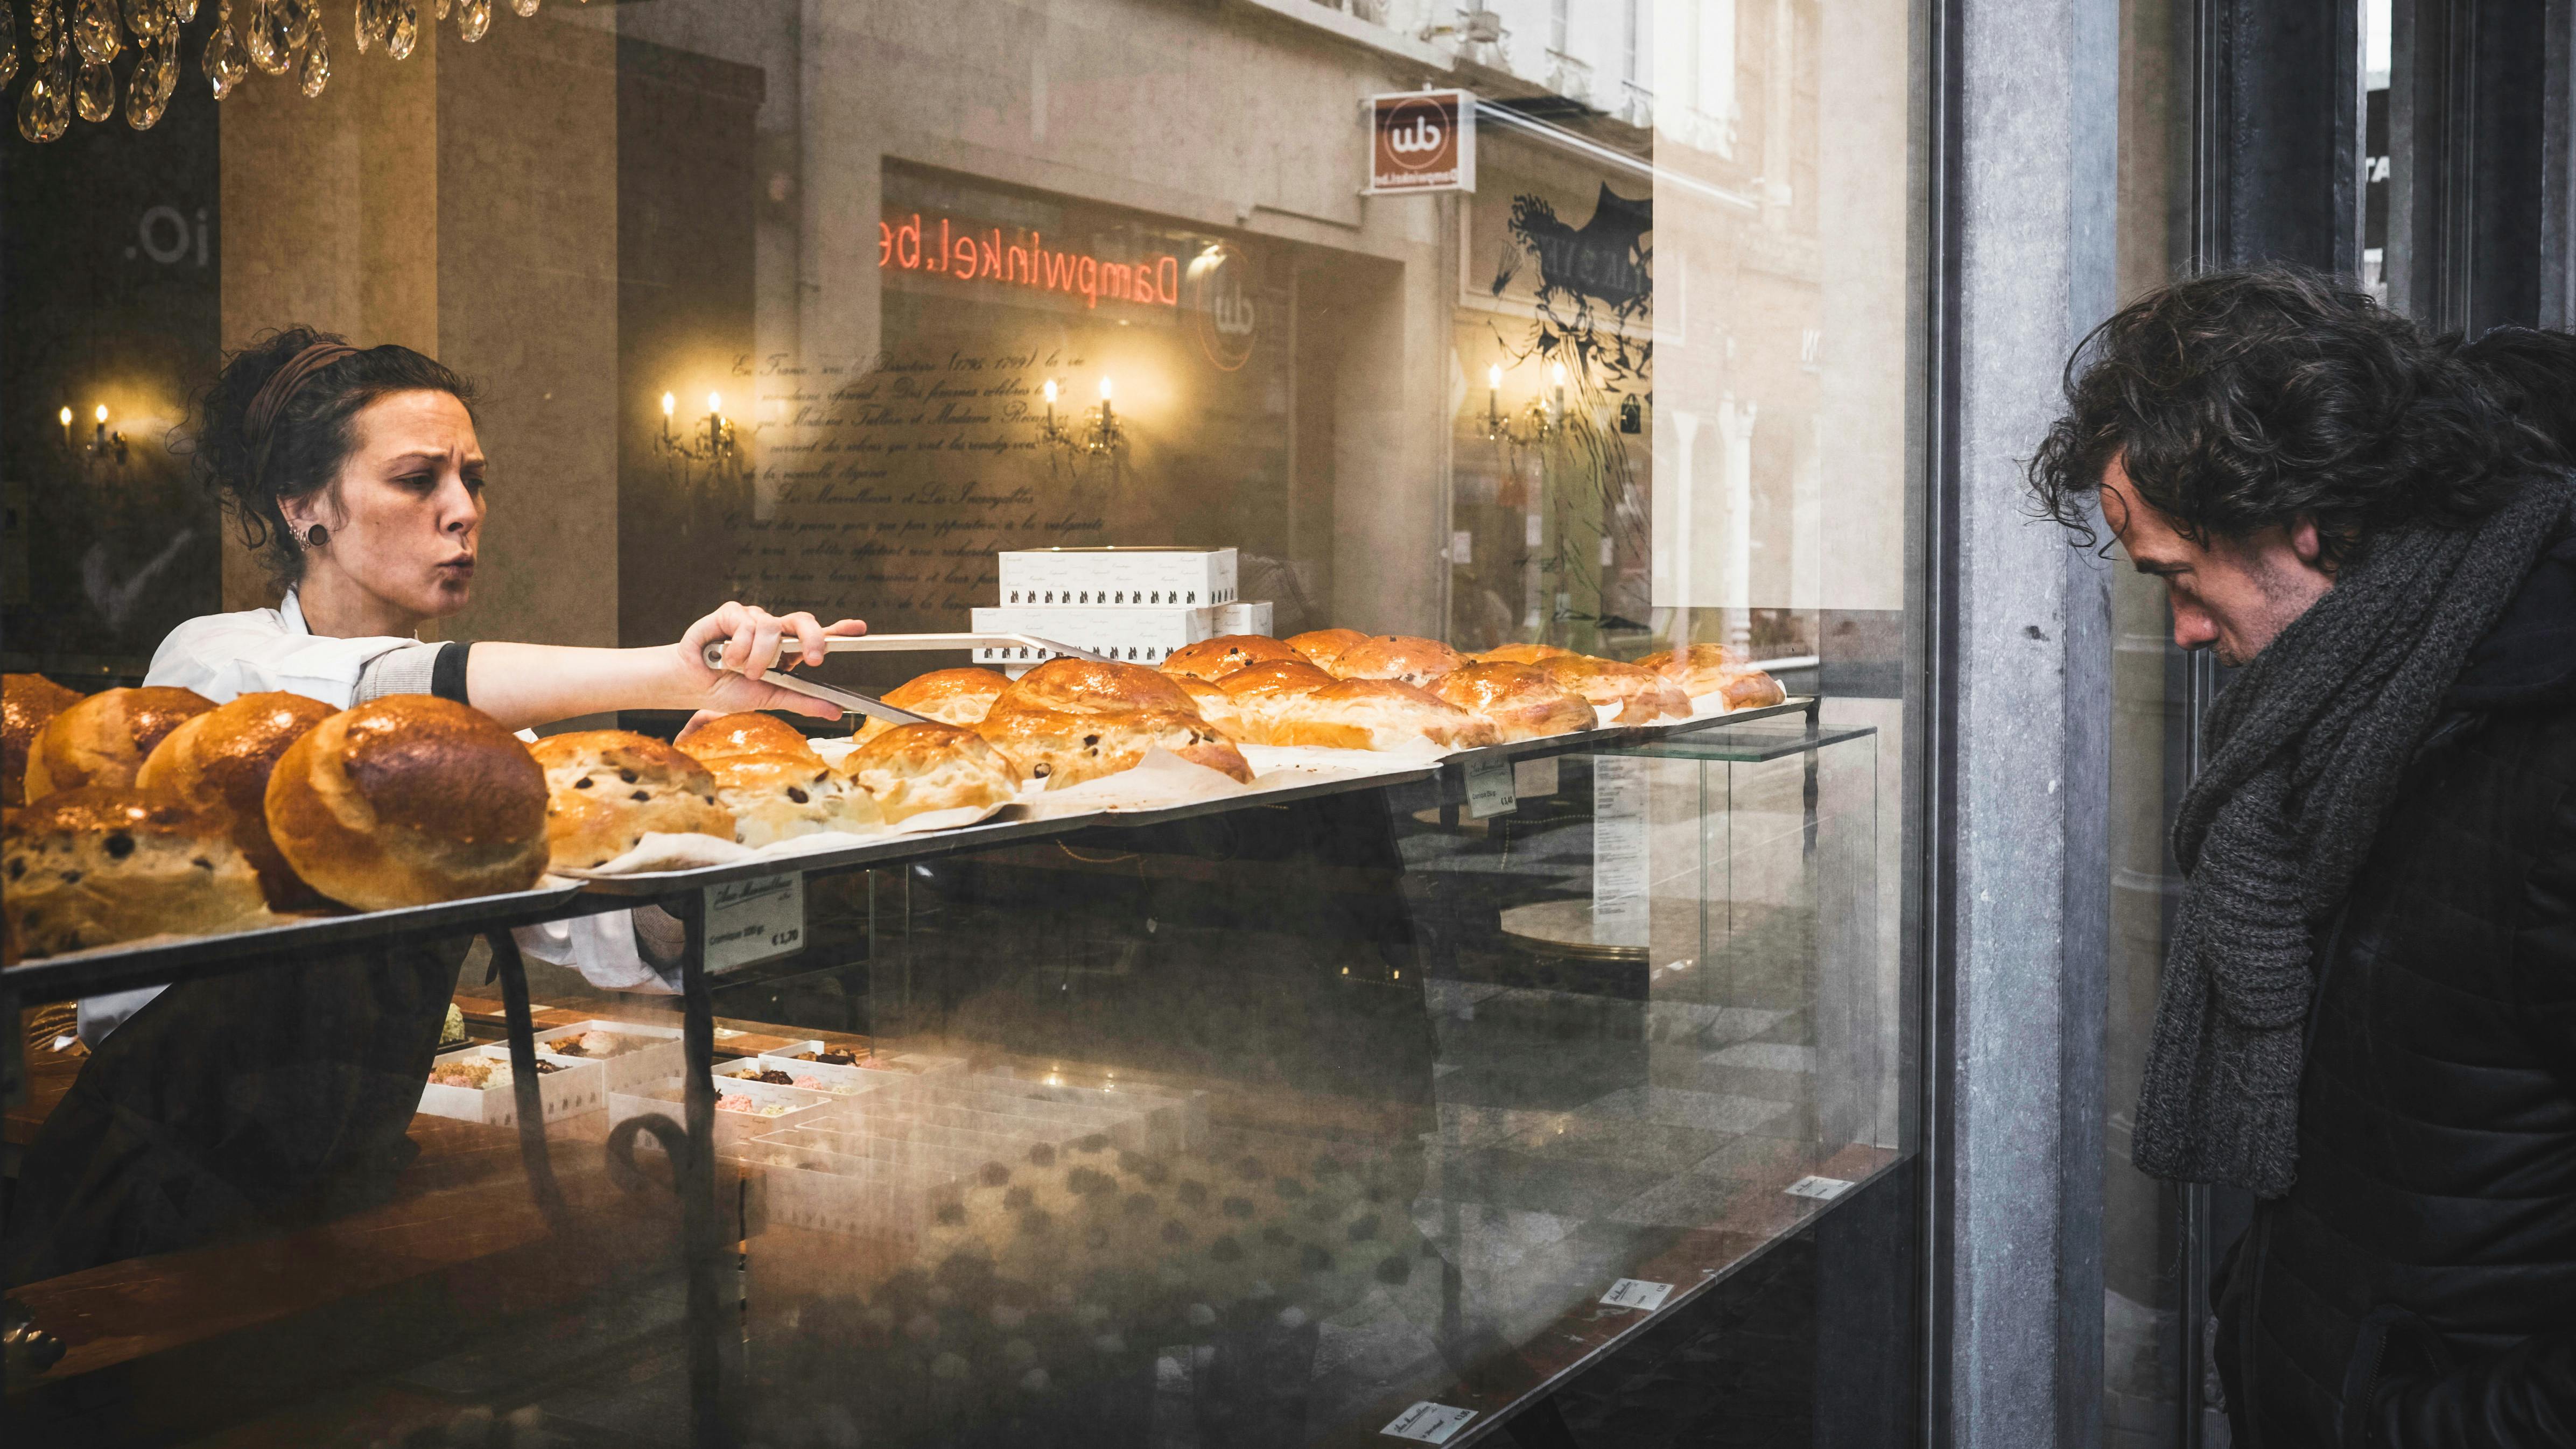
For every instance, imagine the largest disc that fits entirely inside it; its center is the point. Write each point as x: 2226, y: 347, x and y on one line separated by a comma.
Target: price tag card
x: 1824, y: 1189
x: 750, y: 921
x: 1489, y: 788
x: 1428, y: 1423
x: 1637, y: 1293
x: 1533, y: 779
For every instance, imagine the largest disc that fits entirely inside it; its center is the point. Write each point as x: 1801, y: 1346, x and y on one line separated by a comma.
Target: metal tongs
x: 853, y: 702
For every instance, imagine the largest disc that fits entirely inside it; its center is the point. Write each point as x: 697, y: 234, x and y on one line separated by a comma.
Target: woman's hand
x: 752, y: 636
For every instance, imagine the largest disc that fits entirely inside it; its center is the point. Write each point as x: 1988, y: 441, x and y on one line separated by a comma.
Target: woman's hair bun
x: 311, y: 434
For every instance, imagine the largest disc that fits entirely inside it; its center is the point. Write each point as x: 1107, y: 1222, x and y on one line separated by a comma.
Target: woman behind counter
x: 216, y: 1108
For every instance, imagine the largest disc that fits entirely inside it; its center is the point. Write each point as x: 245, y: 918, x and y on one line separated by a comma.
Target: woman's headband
x: 259, y: 420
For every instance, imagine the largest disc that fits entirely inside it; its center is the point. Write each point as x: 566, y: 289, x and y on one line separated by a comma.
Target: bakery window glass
x: 1352, y: 887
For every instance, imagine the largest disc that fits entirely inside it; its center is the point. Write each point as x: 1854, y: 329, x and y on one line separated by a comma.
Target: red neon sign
x: 985, y: 257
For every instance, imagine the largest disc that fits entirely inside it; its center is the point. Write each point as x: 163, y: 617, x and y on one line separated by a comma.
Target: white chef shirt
x: 223, y: 656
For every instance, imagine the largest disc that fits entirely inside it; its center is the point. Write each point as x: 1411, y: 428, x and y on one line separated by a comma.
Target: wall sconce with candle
x: 101, y: 449
x: 706, y: 444
x: 1097, y: 434
x: 1533, y: 424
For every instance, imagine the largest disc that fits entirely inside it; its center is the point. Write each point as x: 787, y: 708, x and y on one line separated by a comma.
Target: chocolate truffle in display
x: 409, y: 800
x: 1321, y: 647
x: 747, y: 733
x: 104, y: 739
x: 606, y: 789
x: 1214, y: 659
x: 1395, y: 656
x: 775, y: 797
x: 27, y: 701
x: 220, y: 761
x: 1519, y: 700
x: 1630, y: 694
x: 96, y: 866
x: 913, y: 769
x: 1377, y: 714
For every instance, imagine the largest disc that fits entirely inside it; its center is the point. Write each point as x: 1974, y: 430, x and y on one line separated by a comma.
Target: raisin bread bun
x: 1716, y: 669
x: 1092, y: 686
x: 1632, y: 695
x: 1520, y: 700
x: 104, y: 739
x: 220, y: 761
x: 747, y: 733
x: 1377, y: 714
x: 103, y: 864
x: 1396, y: 656
x: 775, y: 797
x: 1064, y: 748
x: 1259, y: 695
x: 1214, y: 659
x: 1522, y: 654
x: 950, y: 696
x: 607, y: 789
x: 1322, y: 646
x: 913, y: 769
x: 409, y: 800
x: 27, y: 701
x: 1214, y: 706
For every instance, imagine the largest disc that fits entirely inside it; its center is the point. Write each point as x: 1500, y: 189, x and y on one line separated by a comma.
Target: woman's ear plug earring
x: 318, y: 537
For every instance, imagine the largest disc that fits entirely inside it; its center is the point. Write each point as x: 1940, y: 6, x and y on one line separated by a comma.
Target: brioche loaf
x: 1376, y: 714
x: 219, y: 762
x: 1214, y: 706
x: 912, y: 769
x: 27, y: 701
x: 409, y: 800
x: 103, y: 864
x: 1214, y: 659
x: 1064, y: 748
x: 774, y: 797
x: 1638, y: 696
x: 1395, y: 656
x: 1521, y: 654
x: 950, y: 696
x: 104, y: 739
x: 1091, y: 686
x: 1322, y: 646
x: 1520, y: 700
x: 1257, y: 696
x: 606, y: 789
x: 746, y: 733
x: 1716, y: 669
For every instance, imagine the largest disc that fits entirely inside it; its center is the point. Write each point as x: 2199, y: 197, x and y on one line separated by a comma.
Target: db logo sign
x: 1216, y: 292
x: 1423, y: 141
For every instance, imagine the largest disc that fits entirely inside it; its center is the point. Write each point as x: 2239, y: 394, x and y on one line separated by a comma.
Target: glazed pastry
x: 747, y: 733
x: 606, y: 789
x: 1396, y: 656
x: 913, y: 769
x: 1519, y: 700
x: 27, y: 701
x: 1522, y: 654
x: 1258, y: 696
x: 220, y: 762
x: 409, y: 800
x: 1633, y: 695
x: 96, y: 866
x: 1214, y: 659
x: 1715, y: 669
x: 1215, y: 707
x: 950, y: 696
x: 1376, y: 714
x: 1065, y: 749
x: 774, y: 797
x: 1322, y: 646
x: 104, y: 739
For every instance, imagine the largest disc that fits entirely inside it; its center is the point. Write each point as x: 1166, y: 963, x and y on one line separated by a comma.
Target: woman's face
x: 406, y: 511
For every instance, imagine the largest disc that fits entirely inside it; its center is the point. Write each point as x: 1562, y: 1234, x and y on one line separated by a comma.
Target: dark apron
x: 235, y: 1106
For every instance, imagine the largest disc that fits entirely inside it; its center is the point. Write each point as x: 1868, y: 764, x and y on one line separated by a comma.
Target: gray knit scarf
x: 2306, y: 748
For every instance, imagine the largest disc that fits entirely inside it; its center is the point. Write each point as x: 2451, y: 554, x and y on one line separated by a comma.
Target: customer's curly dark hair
x: 314, y: 432
x: 2534, y: 374
x: 2243, y: 399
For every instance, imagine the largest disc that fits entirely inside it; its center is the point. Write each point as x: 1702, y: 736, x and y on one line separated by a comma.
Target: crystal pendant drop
x: 94, y: 30
x: 303, y: 17
x: 473, y: 17
x: 315, y: 72
x: 525, y: 8
x: 8, y: 42
x: 402, y: 27
x: 44, y: 33
x: 146, y: 18
x: 95, y: 92
x: 267, y: 36
x: 183, y: 11
x: 146, y: 99
x: 225, y: 63
x: 45, y: 103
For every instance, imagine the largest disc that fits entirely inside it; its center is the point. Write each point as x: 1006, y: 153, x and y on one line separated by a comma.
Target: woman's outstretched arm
x: 524, y: 685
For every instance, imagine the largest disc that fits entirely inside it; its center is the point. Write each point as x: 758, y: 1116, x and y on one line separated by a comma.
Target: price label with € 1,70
x: 750, y: 921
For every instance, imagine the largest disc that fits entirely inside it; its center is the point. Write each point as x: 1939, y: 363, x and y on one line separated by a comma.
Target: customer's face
x: 2232, y: 595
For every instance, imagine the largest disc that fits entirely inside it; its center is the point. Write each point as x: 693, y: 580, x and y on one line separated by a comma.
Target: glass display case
x: 1409, y: 1098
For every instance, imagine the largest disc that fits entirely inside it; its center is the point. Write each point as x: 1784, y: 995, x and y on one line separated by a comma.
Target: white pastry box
x: 1130, y: 636
x: 891, y: 1066
x: 1119, y: 577
x: 574, y: 1087
x: 771, y: 1107
x: 646, y: 1054
x: 1244, y: 616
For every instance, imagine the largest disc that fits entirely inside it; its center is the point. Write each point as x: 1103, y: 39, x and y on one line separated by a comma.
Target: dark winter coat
x: 2417, y: 1287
